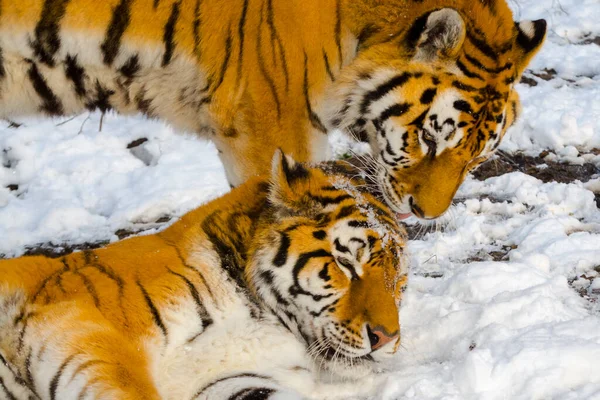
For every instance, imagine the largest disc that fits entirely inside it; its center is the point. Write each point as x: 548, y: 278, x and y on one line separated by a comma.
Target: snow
x: 76, y: 187
x: 503, y: 300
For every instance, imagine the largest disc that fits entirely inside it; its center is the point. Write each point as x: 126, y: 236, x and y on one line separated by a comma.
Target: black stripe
x: 131, y: 67
x: 327, y: 307
x: 241, y: 32
x: 303, y: 259
x: 102, y: 100
x: 464, y: 87
x: 395, y: 110
x: 263, y: 68
x: 479, y: 65
x: 327, y: 66
x: 515, y: 112
x: 17, y: 378
x: 324, y: 273
x: 382, y: 90
x: 83, y: 393
x: 114, y: 33
x: 267, y: 278
x: 276, y: 40
x: 28, y: 373
x: 83, y: 366
x: 9, y: 395
x: 418, y: 122
x: 366, y: 32
x: 382, y: 213
x: 76, y: 74
x: 47, y: 40
x: 482, y: 46
x: 153, y: 310
x: 202, y: 311
x: 282, y: 253
x: 315, y: 121
x: 463, y: 68
x: 56, y: 379
x: 295, y: 172
x: 338, y: 31
x: 428, y: 96
x: 252, y: 394
x: 463, y: 106
x: 225, y: 63
x: 491, y: 4
x: 50, y: 103
x: 169, y: 34
x: 340, y: 247
x: 196, y: 28
x: 325, y: 201
x: 389, y: 150
x: 215, y: 382
x: 155, y: 4
x: 414, y: 33
x: 346, y: 211
x: 46, y: 280
x: 358, y: 224
x: 228, y: 241
x: 106, y: 271
x: 319, y: 235
x: 2, y: 69
x: 143, y: 104
x: 89, y: 286
x: 349, y: 267
x: 204, y: 282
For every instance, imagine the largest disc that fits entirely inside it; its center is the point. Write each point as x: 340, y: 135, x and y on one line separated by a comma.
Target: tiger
x: 428, y: 84
x: 288, y: 285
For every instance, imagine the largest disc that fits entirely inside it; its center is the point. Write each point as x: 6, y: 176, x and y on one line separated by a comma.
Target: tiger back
x: 253, y: 295
x: 429, y: 84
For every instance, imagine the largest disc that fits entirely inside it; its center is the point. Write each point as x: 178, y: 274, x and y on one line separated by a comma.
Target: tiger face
x: 329, y: 263
x: 435, y: 101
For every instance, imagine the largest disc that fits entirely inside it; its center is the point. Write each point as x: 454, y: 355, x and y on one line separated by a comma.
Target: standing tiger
x: 256, y: 294
x: 428, y: 83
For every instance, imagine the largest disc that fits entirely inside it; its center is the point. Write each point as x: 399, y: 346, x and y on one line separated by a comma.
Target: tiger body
x: 222, y: 304
x: 429, y: 84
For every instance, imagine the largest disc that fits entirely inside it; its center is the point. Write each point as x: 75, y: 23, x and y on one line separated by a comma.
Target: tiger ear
x: 285, y: 176
x: 530, y: 37
x: 441, y: 35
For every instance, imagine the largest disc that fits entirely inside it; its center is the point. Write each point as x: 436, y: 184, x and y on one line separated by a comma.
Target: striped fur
x: 431, y: 88
x: 251, y: 296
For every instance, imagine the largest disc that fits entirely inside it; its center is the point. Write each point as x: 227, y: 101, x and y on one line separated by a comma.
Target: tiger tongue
x: 401, y: 217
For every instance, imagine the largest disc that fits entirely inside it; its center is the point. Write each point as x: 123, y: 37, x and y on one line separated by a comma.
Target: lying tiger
x: 253, y: 295
x: 428, y: 83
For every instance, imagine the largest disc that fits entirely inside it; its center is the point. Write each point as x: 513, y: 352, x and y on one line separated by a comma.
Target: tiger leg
x: 68, y: 351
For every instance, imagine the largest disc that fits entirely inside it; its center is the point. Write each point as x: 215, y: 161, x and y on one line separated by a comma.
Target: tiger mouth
x: 400, y: 214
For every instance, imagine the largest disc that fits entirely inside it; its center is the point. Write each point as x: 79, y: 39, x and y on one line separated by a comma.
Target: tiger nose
x: 378, y: 337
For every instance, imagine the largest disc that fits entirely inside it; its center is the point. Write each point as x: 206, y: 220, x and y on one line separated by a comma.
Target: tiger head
x: 434, y: 99
x: 328, y: 262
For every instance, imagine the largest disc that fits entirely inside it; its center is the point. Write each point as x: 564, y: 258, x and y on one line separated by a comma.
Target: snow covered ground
x: 504, y: 296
